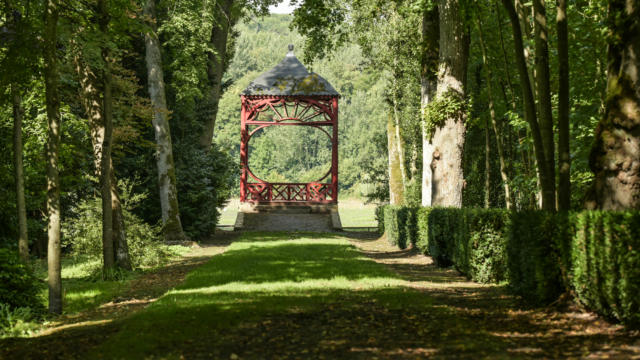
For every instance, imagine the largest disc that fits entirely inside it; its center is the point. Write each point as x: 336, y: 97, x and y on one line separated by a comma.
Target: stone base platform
x: 288, y: 217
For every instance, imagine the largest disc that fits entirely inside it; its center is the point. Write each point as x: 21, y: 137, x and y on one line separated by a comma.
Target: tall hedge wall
x: 540, y: 255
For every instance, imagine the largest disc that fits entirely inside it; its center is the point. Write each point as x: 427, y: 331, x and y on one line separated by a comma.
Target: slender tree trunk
x: 172, y: 226
x: 399, y: 144
x: 18, y: 114
x: 108, y: 257
x: 428, y: 86
x: 564, y: 154
x: 92, y: 104
x: 494, y: 121
x: 396, y: 188
x: 506, y: 62
x: 487, y: 166
x: 615, y: 157
x: 544, y: 103
x: 530, y: 115
x: 217, y: 65
x: 448, y: 139
x: 53, y: 146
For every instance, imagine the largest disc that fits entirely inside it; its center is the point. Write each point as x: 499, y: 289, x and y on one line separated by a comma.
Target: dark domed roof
x: 290, y: 78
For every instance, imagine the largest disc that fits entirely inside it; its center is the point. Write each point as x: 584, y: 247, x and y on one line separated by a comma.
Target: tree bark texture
x: 494, y: 121
x: 91, y: 101
x: 487, y: 166
x: 615, y: 157
x: 108, y: 257
x: 53, y: 145
x: 396, y: 188
x: 530, y: 114
x: 172, y: 226
x: 216, y: 66
x: 545, y: 114
x: 18, y: 114
x: 564, y: 154
x: 448, y: 139
x: 428, y: 86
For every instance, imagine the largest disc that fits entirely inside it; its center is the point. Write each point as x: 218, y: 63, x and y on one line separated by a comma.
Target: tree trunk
x: 108, y: 257
x: 53, y: 146
x: 172, y: 226
x: 494, y: 121
x: 564, y: 154
x: 548, y: 203
x: 216, y: 66
x: 448, y: 139
x: 428, y: 86
x: 398, y: 141
x: 487, y: 166
x: 18, y: 114
x: 615, y: 157
x: 91, y: 102
x: 396, y: 189
x: 544, y: 104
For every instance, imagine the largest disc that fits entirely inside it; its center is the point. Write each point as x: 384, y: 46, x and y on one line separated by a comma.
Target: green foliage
x: 19, y: 287
x: 443, y: 107
x: 533, y: 259
x: 16, y: 322
x: 399, y: 225
x: 82, y: 233
x: 380, y: 218
x: 605, y: 263
x: 204, y: 184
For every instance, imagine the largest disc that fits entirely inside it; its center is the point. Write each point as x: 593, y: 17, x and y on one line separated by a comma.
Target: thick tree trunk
x: 448, y: 139
x: 18, y: 114
x: 90, y: 96
x: 216, y: 66
x: 428, y: 86
x: 615, y: 157
x: 53, y: 146
x: 548, y: 203
x: 494, y: 121
x: 108, y: 257
x: 172, y: 226
x: 544, y: 104
x: 564, y: 154
x: 396, y: 188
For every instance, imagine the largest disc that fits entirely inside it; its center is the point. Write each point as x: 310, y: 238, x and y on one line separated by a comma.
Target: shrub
x: 533, y: 257
x: 422, y: 229
x: 82, y: 233
x: 380, y: 218
x: 480, y: 245
x: 19, y: 321
x: 443, y: 225
x: 204, y: 184
x: 400, y: 225
x: 605, y: 263
x: 18, y: 285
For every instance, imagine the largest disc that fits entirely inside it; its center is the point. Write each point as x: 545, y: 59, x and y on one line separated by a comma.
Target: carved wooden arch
x: 320, y: 112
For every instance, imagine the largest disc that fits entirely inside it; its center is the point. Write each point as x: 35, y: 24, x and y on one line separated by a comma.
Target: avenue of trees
x: 127, y: 110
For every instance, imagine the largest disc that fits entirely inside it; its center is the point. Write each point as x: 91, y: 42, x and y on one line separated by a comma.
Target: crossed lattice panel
x: 289, y: 192
x: 258, y: 192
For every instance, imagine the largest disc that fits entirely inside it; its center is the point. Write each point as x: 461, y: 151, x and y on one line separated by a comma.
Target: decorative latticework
x: 288, y: 95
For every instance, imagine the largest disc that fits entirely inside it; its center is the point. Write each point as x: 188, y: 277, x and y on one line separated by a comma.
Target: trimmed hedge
x: 604, y: 263
x: 540, y: 255
x: 532, y: 257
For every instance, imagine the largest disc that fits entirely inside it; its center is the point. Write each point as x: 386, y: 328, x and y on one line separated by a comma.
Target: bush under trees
x: 539, y: 255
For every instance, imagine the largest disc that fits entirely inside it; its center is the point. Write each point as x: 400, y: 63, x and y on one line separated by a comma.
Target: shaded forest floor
x: 303, y: 295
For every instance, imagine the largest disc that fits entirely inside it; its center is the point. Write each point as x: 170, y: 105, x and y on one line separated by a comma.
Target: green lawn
x: 259, y: 276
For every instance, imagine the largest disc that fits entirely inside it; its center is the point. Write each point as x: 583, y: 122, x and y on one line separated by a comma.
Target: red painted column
x: 334, y: 150
x: 244, y: 137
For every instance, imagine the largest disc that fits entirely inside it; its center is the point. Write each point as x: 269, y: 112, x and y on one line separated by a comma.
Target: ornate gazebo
x: 288, y: 95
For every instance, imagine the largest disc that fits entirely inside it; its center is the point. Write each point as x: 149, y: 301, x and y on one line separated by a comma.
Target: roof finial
x: 290, y: 50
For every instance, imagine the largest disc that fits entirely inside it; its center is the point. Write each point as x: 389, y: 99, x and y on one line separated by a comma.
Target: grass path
x: 331, y: 296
